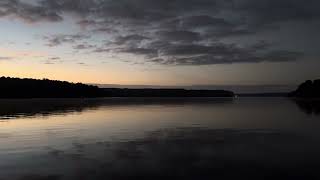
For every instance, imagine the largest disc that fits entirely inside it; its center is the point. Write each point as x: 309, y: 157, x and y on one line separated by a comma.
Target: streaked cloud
x: 56, y: 40
x: 180, y: 32
x: 28, y: 12
x: 5, y: 58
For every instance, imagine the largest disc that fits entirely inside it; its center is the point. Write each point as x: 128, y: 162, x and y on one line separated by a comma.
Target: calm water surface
x: 119, y: 138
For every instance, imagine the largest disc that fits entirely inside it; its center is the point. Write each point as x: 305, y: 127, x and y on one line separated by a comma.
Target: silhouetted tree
x: 308, y: 89
x: 32, y: 88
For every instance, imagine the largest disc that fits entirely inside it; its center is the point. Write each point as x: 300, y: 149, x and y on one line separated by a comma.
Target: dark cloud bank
x: 173, y: 32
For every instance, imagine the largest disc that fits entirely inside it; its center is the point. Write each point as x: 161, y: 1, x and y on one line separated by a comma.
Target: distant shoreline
x: 16, y: 88
x: 280, y: 94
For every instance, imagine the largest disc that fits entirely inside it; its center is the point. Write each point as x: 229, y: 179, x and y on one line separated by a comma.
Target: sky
x: 167, y: 42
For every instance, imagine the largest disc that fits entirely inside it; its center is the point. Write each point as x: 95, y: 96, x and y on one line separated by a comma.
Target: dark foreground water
x: 119, y: 138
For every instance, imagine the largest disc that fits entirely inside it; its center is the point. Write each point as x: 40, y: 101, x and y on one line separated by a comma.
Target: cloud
x: 203, y: 12
x: 56, y: 40
x: 55, y: 58
x: 273, y: 11
x: 219, y: 53
x: 82, y: 64
x: 27, y: 12
x: 140, y: 51
x: 190, y: 13
x: 180, y: 32
x: 86, y: 23
x: 235, y: 57
x: 83, y: 46
x: 102, y: 50
x: 5, y: 58
x: 179, y: 36
x: 134, y: 38
x: 200, y: 21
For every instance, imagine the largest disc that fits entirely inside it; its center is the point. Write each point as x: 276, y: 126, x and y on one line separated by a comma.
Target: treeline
x: 32, y: 88
x: 308, y: 89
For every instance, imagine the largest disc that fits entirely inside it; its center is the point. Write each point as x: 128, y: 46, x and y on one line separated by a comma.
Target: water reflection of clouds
x: 202, y: 140
x: 190, y: 153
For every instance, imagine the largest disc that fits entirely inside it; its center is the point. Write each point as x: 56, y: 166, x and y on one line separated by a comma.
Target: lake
x: 158, y: 138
